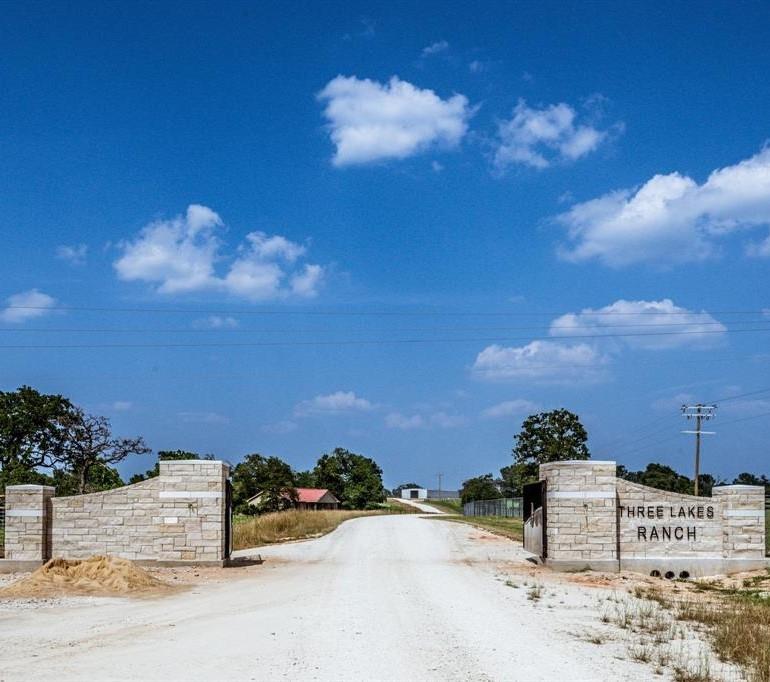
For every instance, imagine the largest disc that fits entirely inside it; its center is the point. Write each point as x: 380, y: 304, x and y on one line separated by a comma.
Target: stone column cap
x: 29, y: 486
x: 580, y: 462
x: 738, y: 487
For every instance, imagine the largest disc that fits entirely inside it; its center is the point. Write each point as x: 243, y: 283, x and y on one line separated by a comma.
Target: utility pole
x: 699, y: 413
x: 440, y: 476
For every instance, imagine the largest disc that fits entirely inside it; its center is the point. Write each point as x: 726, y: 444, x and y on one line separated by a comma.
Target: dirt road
x: 381, y: 598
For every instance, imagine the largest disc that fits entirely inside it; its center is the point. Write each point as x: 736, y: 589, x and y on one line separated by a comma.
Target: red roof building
x: 307, y: 498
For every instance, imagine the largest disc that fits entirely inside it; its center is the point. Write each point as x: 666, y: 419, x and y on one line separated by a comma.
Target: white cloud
x: 333, y: 403
x: 370, y: 121
x: 671, y: 218
x: 396, y: 420
x: 122, y: 405
x: 543, y: 362
x: 74, y: 255
x: 644, y: 317
x: 435, y: 48
x: 441, y: 420
x: 510, y: 408
x: 538, y: 137
x: 180, y: 256
x: 280, y: 428
x: 203, y: 418
x: 216, y: 322
x: 447, y: 421
x: 27, y: 305
x: 673, y: 403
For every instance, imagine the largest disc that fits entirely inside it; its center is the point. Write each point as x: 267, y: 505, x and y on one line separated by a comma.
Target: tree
x: 270, y: 476
x: 554, y: 436
x: 31, y: 430
x: 746, y: 478
x: 479, y: 488
x: 100, y: 477
x: 166, y: 455
x: 88, y: 443
x: 354, y: 479
x: 663, y: 477
x: 305, y: 479
x: 396, y: 492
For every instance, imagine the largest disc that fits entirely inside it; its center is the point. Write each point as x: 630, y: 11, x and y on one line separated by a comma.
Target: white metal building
x: 414, y: 494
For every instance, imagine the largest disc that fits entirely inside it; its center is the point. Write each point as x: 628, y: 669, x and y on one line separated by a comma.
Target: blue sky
x: 395, y: 228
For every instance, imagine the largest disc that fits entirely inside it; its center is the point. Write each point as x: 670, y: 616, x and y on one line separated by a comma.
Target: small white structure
x: 414, y: 494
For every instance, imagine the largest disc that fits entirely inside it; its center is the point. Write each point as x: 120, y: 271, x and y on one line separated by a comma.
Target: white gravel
x: 382, y: 598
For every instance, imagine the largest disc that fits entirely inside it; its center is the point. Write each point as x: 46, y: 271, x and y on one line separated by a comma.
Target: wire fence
x: 509, y: 507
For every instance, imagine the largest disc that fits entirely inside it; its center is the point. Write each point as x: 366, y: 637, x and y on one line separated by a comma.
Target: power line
x: 741, y: 395
x: 347, y: 342
x: 235, y: 330
x: 315, y: 312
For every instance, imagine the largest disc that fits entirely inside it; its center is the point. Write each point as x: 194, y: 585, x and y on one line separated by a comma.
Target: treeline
x: 354, y: 479
x: 47, y: 440
x: 557, y: 436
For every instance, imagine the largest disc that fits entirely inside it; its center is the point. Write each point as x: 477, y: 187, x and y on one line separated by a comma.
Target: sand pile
x: 98, y: 575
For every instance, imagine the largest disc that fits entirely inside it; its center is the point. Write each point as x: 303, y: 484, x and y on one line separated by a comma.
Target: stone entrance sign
x: 180, y: 516
x: 598, y: 521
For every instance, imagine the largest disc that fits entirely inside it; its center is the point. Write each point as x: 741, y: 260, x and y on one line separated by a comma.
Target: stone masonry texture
x: 594, y: 516
x: 177, y: 516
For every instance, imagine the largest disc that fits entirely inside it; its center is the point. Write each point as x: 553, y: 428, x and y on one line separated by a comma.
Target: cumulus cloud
x: 74, y: 255
x: 370, y: 121
x: 441, y: 420
x: 122, y: 405
x: 180, y: 255
x: 671, y: 218
x: 539, y: 137
x: 203, y: 418
x: 435, y: 48
x: 543, y: 362
x: 216, y: 322
x: 510, y: 408
x: 396, y: 420
x: 682, y: 327
x: 27, y: 305
x: 280, y: 427
x: 333, y: 403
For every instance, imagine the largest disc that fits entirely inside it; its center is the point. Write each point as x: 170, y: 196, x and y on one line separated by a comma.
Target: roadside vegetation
x: 513, y: 529
x: 736, y: 619
x: 301, y: 524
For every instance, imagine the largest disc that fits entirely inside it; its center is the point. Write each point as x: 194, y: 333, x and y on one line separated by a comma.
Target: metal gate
x: 535, y: 519
x: 228, y: 519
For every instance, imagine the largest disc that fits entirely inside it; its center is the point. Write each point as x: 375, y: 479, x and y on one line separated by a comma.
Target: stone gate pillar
x: 27, y: 522
x: 581, y: 514
x: 743, y: 522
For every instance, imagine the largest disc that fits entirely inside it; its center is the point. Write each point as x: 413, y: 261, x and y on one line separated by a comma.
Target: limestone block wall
x: 743, y: 520
x: 655, y: 523
x: 595, y: 520
x: 581, y: 512
x: 178, y: 516
x: 27, y: 512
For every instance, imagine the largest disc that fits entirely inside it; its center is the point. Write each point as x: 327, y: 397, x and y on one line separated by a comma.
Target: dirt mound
x: 98, y: 575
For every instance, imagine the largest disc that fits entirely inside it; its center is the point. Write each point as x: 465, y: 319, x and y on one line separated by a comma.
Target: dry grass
x: 293, y: 524
x: 736, y: 620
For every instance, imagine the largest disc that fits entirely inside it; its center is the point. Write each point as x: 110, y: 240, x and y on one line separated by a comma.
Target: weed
x: 535, y: 592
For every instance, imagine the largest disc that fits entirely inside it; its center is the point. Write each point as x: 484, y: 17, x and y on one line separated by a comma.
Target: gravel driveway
x: 381, y: 598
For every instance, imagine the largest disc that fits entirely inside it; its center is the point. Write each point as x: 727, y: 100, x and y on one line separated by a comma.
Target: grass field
x: 449, y: 506
x: 294, y: 524
x: 512, y: 529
